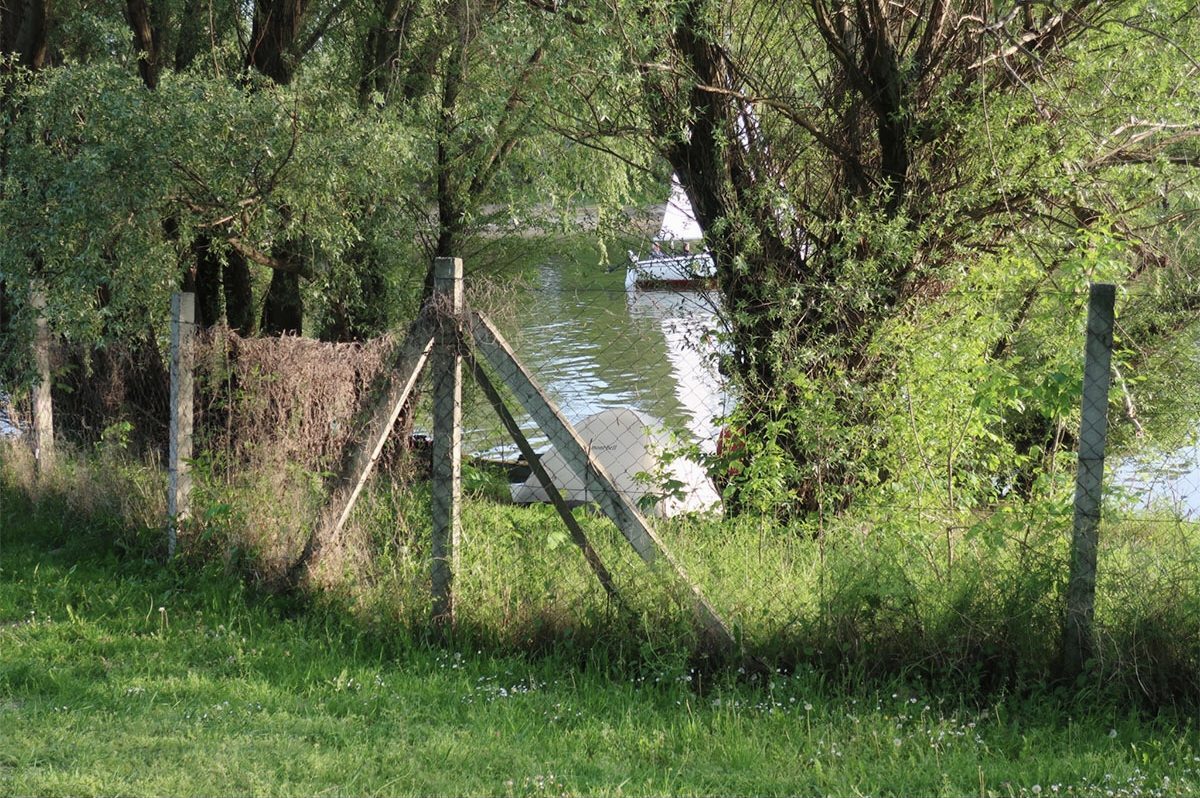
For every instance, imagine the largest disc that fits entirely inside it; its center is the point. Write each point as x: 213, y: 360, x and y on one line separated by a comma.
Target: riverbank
x: 124, y: 676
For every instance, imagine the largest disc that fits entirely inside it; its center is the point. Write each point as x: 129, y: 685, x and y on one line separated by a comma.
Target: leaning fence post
x: 1081, y: 587
x: 43, y: 404
x: 447, y: 435
x: 179, y: 478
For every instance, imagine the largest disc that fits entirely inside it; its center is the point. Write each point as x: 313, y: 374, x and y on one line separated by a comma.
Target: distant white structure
x: 679, y: 220
x: 671, y: 268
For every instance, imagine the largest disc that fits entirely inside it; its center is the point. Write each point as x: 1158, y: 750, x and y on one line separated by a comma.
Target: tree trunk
x: 207, y: 283
x: 23, y: 32
x: 191, y: 34
x: 451, y: 183
x: 146, y: 39
x: 276, y: 27
x: 283, y: 308
x: 384, y: 47
x: 762, y: 256
x: 363, y: 314
x: 239, y: 295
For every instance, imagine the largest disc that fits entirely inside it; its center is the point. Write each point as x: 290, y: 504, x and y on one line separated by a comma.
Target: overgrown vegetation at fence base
x: 876, y: 596
x: 951, y: 567
x: 204, y: 687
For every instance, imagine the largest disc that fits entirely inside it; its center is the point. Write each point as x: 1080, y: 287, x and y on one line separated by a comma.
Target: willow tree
x: 482, y: 84
x: 853, y: 163
x: 280, y: 158
x: 152, y: 151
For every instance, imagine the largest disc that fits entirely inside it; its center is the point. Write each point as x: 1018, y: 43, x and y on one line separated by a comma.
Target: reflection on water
x: 594, y: 346
x: 689, y: 325
x: 1164, y: 475
x: 1168, y: 481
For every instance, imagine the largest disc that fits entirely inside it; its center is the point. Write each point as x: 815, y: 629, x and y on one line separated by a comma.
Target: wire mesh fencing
x: 957, y: 474
x: 921, y: 506
x: 610, y: 358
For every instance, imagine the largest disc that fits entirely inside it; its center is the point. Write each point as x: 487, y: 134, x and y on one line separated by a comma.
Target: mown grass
x: 121, y: 675
x: 971, y: 601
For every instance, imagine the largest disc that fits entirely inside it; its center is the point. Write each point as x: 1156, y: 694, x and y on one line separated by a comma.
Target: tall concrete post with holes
x: 43, y: 405
x: 1078, y: 638
x: 447, y: 435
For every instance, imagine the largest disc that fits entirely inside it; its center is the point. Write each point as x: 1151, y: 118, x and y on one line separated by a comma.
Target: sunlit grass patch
x: 229, y: 691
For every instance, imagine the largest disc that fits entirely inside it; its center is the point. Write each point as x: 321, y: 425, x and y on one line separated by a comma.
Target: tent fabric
x: 627, y: 443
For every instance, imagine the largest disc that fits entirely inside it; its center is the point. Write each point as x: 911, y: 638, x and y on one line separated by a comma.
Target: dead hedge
x: 263, y: 402
x: 260, y: 403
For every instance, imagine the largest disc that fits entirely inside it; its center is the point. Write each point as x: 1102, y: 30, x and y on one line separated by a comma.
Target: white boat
x: 672, y: 264
x: 670, y: 271
x: 631, y: 447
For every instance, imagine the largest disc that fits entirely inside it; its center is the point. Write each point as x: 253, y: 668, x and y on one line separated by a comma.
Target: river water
x: 594, y: 346
x: 1167, y: 481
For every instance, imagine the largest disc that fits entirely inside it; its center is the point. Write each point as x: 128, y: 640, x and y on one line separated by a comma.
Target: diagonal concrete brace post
x: 578, y: 536
x: 497, y: 353
x: 359, y: 460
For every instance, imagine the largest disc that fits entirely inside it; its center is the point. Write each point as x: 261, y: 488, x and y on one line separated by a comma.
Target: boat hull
x: 672, y: 271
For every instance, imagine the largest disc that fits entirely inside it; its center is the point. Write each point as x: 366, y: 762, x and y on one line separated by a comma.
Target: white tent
x: 627, y: 444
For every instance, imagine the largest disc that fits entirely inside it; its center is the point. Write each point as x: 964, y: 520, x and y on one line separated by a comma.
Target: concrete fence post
x: 179, y: 478
x: 43, y: 404
x: 447, y: 435
x: 1078, y: 635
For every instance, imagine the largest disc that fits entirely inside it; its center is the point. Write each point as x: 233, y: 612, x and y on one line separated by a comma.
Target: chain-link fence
x: 918, y: 507
x: 955, y: 506
x: 658, y: 355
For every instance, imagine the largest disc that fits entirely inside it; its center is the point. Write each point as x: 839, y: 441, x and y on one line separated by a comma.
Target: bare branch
x: 321, y: 28
x: 1150, y: 142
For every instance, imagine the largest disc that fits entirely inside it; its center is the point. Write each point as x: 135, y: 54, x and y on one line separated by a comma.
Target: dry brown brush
x: 287, y: 401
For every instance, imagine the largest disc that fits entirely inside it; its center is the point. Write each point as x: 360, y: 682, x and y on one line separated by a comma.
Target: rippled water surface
x: 594, y: 346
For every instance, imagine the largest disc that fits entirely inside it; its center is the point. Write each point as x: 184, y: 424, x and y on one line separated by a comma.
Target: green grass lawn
x: 122, y: 676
